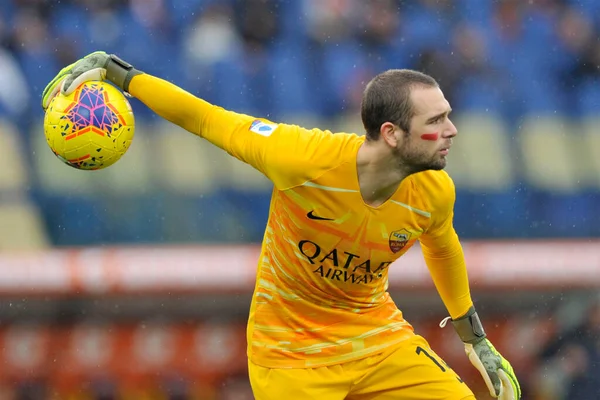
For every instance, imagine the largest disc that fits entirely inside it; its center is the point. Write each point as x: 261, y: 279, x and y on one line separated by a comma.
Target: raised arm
x: 287, y: 154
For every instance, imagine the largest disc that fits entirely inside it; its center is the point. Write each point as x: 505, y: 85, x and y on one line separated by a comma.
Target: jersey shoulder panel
x: 308, y: 154
x: 437, y: 189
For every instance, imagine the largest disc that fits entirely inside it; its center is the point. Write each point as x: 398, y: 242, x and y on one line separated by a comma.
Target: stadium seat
x: 423, y: 25
x: 13, y: 167
x: 495, y: 215
x: 209, y: 218
x: 481, y: 155
x: 292, y: 89
x: 248, y: 192
x: 243, y: 177
x: 547, y: 153
x: 350, y: 122
x: 74, y: 220
x: 590, y: 163
x: 22, y: 227
x: 185, y: 163
x: 587, y: 97
x: 570, y: 215
x: 134, y: 219
x: 184, y: 11
x: 478, y: 94
x: 242, y: 84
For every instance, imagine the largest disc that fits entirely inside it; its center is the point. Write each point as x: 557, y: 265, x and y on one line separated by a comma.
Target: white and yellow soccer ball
x: 92, y: 127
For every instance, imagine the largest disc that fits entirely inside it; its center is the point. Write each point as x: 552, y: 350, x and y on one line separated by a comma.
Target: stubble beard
x: 412, y: 160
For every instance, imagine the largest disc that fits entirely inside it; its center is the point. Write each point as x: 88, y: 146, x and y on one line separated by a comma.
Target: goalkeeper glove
x: 96, y: 66
x: 495, y: 370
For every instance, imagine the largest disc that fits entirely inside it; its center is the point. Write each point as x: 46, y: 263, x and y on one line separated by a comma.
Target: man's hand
x: 96, y: 66
x: 497, y: 373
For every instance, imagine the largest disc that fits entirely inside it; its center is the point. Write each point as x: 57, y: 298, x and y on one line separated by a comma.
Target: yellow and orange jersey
x: 321, y: 286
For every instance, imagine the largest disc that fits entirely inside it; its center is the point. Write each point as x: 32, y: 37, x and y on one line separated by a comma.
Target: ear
x: 388, y: 133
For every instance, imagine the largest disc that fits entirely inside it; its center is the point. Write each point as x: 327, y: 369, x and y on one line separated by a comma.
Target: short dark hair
x: 387, y: 99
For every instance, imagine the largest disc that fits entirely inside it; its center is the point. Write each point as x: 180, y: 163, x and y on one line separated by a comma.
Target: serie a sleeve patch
x: 262, y: 128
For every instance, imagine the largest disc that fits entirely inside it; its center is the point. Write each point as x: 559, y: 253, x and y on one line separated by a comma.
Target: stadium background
x: 134, y: 282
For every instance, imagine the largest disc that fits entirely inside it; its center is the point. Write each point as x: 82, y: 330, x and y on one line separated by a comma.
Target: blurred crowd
x: 568, y: 362
x: 279, y: 58
x: 521, y: 66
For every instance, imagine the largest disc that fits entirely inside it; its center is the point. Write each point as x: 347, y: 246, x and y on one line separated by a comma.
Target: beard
x: 413, y: 160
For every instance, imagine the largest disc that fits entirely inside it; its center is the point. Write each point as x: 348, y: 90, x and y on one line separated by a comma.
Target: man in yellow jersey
x: 344, y: 207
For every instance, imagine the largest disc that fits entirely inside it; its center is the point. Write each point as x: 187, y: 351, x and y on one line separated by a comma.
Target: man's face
x: 427, y: 143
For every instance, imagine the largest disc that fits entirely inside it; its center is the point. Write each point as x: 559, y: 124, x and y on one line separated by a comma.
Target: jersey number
x: 421, y: 350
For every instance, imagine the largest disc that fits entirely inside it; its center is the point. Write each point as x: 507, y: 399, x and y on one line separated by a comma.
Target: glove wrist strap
x: 469, y: 327
x: 120, y: 72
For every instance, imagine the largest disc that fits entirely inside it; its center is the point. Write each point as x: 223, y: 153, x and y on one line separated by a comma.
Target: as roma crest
x: 399, y: 239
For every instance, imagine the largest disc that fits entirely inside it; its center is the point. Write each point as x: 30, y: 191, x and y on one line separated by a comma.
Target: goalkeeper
x: 344, y: 207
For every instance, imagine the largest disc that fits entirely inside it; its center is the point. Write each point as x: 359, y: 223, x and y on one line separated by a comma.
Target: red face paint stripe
x: 430, y: 136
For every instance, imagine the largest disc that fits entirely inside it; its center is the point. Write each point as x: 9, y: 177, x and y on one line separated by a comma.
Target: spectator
x: 570, y: 363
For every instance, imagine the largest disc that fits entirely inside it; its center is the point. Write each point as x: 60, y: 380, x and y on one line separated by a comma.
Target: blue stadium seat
x: 74, y: 220
x: 72, y: 22
x: 339, y: 66
x: 565, y: 215
x: 587, y: 97
x: 38, y: 77
x: 184, y: 11
x: 590, y: 7
x: 252, y: 211
x: 134, y: 219
x: 292, y: 89
x: 495, y: 215
x: 424, y: 28
x: 475, y: 11
x: 208, y: 218
x: 242, y: 84
x: 479, y: 93
x: 8, y: 10
x: 292, y: 20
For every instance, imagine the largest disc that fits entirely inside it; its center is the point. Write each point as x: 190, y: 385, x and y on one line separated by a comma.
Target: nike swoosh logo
x: 311, y: 215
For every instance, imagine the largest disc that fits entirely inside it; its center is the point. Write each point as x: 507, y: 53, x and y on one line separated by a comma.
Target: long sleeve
x: 445, y: 258
x: 287, y: 154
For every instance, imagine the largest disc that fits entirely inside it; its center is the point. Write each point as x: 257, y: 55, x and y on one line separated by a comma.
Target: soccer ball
x: 91, y: 128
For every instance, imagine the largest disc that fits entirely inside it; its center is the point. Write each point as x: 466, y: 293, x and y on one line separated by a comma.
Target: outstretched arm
x: 287, y: 154
x: 164, y: 98
x: 170, y: 101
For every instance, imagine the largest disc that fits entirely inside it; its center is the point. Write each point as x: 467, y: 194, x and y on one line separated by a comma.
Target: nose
x: 450, y: 131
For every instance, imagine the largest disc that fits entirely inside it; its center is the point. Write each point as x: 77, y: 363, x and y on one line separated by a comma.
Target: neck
x: 379, y: 173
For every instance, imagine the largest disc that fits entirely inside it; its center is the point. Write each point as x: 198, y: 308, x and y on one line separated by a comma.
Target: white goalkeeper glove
x: 96, y: 66
x: 497, y: 373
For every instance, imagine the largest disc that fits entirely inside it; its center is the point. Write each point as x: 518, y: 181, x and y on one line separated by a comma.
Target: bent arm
x: 443, y: 252
x: 448, y: 270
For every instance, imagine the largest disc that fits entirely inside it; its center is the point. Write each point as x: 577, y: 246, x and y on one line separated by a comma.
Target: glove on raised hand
x: 96, y: 66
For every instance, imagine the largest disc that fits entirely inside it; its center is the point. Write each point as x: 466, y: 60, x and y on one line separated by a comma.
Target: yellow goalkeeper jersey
x: 321, y: 285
